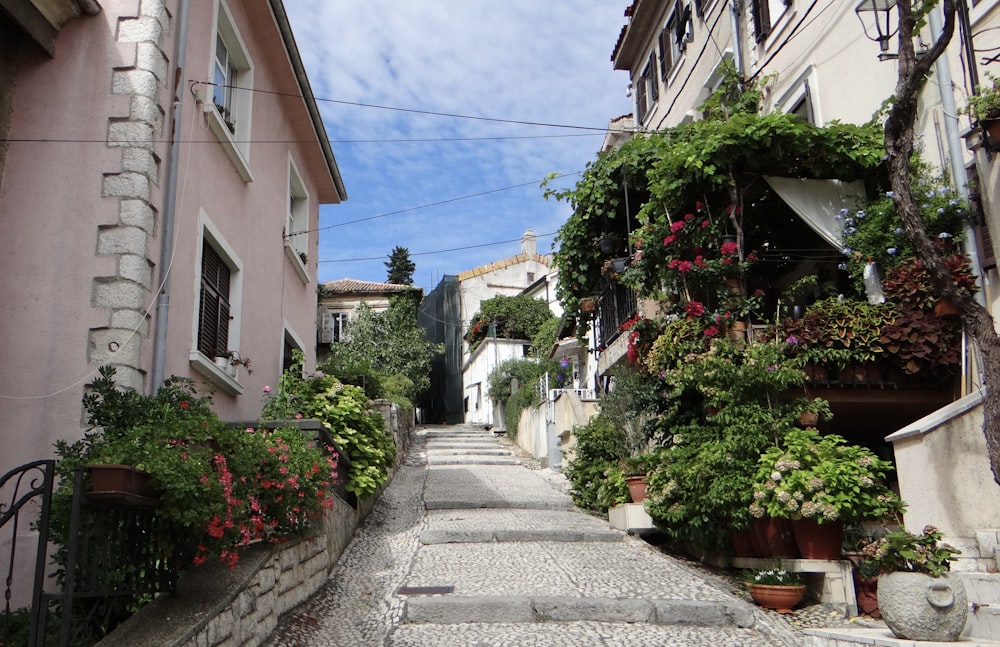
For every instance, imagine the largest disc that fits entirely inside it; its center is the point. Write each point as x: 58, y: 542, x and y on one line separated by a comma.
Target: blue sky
x: 519, y: 60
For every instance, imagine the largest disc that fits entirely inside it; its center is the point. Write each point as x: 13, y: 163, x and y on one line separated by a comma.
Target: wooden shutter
x: 213, y: 318
x: 666, y: 56
x: 761, y: 19
x: 650, y: 77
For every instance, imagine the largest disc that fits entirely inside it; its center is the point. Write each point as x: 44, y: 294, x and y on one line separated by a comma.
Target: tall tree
x: 400, y: 266
x: 977, y: 320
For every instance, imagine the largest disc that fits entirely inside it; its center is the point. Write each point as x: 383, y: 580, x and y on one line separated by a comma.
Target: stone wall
x: 216, y: 607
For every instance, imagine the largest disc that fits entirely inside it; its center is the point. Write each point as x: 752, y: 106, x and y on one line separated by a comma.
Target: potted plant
x: 985, y: 108
x: 634, y: 470
x: 231, y: 360
x: 917, y: 598
x: 776, y: 589
x: 821, y: 483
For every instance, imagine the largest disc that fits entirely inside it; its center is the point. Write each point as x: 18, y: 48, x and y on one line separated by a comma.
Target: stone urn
x: 917, y: 606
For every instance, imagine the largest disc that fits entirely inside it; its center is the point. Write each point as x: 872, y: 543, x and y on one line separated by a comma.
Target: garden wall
x: 240, y: 608
x: 568, y: 411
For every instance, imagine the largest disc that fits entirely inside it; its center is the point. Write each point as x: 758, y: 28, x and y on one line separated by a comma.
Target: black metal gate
x: 21, y: 489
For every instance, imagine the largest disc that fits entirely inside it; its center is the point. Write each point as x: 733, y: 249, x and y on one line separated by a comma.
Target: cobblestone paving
x: 359, y: 606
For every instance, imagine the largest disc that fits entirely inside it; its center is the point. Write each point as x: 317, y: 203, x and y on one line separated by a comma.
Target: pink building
x: 151, y: 219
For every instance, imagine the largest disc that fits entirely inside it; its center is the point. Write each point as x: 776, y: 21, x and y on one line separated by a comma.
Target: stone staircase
x: 505, y: 556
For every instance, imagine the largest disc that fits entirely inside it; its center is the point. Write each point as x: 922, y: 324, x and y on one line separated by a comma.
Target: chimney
x: 528, y: 247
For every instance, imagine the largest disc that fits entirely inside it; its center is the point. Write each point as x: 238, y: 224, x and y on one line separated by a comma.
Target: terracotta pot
x: 992, y: 128
x: 121, y: 484
x: 866, y: 592
x: 636, y: 488
x: 781, y: 539
x: 809, y: 419
x: 945, y: 308
x: 778, y: 597
x: 917, y: 606
x: 818, y: 541
x: 758, y: 535
x: 588, y: 305
x: 816, y: 373
x: 743, y: 544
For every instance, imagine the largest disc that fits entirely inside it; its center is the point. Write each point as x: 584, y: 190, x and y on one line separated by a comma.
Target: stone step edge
x: 447, y: 609
x: 432, y: 537
x: 442, y: 504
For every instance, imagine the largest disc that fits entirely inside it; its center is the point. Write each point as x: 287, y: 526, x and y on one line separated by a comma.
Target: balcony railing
x: 616, y: 305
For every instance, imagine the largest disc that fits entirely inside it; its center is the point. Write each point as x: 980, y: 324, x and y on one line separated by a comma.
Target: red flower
x: 689, y: 216
x: 699, y: 261
x: 669, y: 239
x: 684, y: 267
x: 705, y: 223
x: 712, y: 331
x: 729, y: 248
x: 694, y: 309
x: 185, y: 404
x: 677, y: 226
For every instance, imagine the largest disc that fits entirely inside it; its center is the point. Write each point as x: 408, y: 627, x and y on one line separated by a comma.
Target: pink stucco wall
x: 52, y: 212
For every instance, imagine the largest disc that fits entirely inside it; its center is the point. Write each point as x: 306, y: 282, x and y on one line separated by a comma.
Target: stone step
x: 479, y: 451
x: 429, y: 537
x: 462, y: 446
x: 450, y: 609
x: 472, y: 459
x: 497, y: 504
x: 575, y: 634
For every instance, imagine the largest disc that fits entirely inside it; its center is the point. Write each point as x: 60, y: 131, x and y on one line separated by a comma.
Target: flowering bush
x: 823, y: 478
x: 773, y: 577
x: 345, y: 411
x: 904, y: 551
x: 219, y: 488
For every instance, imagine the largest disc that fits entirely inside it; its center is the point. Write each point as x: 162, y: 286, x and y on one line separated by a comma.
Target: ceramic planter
x: 781, y: 539
x: 636, y: 488
x: 781, y: 597
x: 917, y: 606
x: 818, y: 541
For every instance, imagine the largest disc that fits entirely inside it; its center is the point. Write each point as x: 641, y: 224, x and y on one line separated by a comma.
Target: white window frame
x: 204, y: 365
x: 333, y: 326
x: 297, y: 222
x: 232, y: 129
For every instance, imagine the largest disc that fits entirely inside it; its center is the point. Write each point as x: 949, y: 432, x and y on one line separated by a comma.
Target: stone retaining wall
x: 216, y: 607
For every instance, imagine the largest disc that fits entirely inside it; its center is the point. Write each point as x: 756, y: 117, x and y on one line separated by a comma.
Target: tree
x: 400, y: 266
x: 388, y: 344
x: 899, y: 135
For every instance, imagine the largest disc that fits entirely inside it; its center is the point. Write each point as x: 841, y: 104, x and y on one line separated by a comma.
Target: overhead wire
x: 439, y: 251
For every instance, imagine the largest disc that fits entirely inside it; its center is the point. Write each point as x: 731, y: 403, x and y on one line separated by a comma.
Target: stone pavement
x: 468, y: 546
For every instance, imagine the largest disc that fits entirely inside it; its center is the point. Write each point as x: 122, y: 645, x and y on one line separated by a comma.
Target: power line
x: 439, y: 251
x: 432, y: 204
x: 452, y: 115
x: 425, y: 140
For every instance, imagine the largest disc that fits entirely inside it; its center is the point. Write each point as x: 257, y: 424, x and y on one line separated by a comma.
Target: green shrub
x: 600, y: 445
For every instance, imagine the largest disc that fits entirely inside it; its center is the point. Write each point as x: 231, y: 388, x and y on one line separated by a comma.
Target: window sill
x: 225, y: 137
x: 296, y: 261
x: 214, y: 374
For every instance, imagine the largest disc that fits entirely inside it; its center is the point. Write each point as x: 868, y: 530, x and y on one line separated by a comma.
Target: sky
x: 517, y: 60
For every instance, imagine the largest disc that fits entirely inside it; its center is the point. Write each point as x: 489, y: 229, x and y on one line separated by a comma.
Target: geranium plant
x: 824, y: 478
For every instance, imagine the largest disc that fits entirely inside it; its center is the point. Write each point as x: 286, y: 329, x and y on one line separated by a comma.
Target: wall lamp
x: 881, y: 12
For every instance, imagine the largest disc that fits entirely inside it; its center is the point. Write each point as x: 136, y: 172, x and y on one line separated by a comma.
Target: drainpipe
x: 955, y: 151
x: 734, y: 17
x: 169, y: 203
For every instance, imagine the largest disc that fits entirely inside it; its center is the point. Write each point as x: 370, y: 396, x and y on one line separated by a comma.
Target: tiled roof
x: 354, y: 286
x: 507, y: 262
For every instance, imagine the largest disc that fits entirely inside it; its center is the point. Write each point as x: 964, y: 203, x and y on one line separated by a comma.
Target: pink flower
x: 267, y: 389
x: 669, y: 239
x: 729, y: 248
x: 705, y: 223
x: 684, y: 267
x: 298, y: 416
x: 677, y: 226
x: 699, y: 261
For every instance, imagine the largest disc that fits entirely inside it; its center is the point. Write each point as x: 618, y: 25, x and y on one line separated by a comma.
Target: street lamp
x: 882, y: 12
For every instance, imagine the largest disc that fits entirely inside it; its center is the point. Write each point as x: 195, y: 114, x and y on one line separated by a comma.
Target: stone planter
x: 917, y: 606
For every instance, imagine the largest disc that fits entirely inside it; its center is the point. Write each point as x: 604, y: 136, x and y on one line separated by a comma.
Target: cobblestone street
x: 516, y: 565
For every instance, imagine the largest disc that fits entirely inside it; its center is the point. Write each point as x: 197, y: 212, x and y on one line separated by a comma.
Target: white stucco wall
x: 945, y: 477
x: 475, y: 376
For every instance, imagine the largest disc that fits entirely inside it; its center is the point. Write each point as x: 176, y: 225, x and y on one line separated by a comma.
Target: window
x: 649, y: 89
x: 214, y: 306
x: 333, y: 327
x: 675, y: 35
x: 766, y: 14
x: 229, y: 113
x: 297, y: 223
x: 215, y: 323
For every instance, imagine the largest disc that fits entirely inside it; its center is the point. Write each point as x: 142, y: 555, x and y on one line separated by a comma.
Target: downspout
x: 955, y: 151
x: 169, y: 203
x: 734, y: 17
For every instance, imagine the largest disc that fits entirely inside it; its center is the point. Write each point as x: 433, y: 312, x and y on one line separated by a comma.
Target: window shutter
x: 326, y: 328
x: 213, y: 318
x: 984, y: 241
x: 650, y: 76
x: 665, y: 59
x: 761, y: 19
x: 640, y: 99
